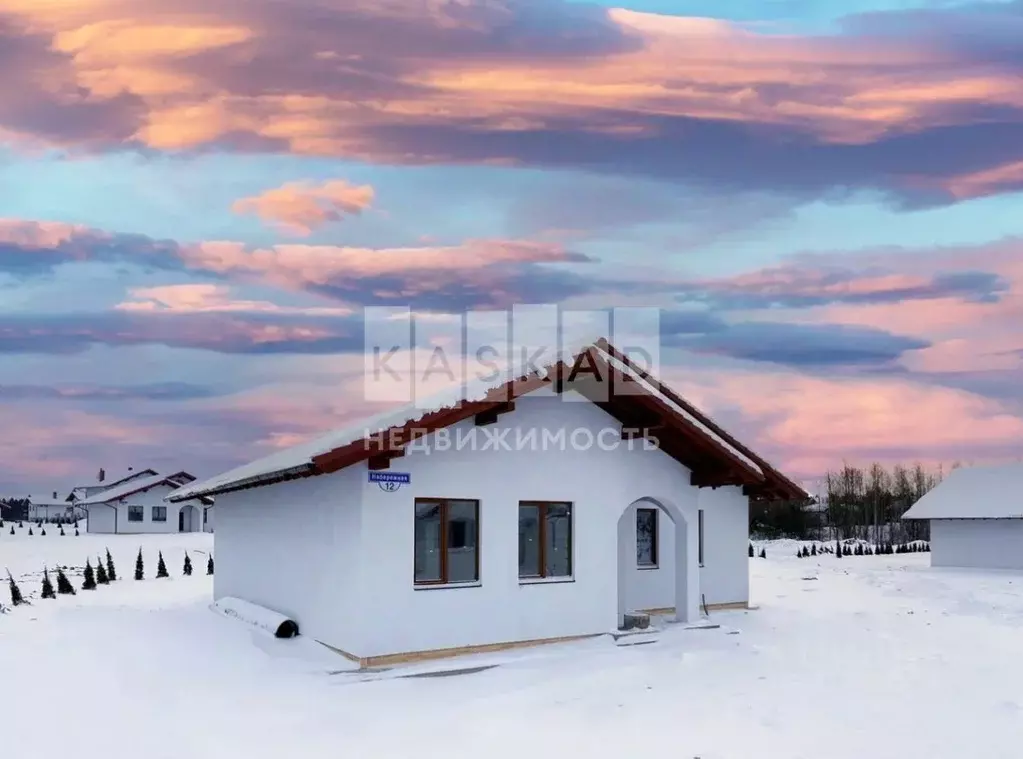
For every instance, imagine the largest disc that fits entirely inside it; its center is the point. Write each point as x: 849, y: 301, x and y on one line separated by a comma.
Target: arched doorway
x: 188, y: 519
x: 674, y: 582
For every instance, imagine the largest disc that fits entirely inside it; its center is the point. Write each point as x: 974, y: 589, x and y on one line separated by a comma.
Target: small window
x: 646, y: 538
x: 159, y: 513
x: 136, y: 514
x: 700, y: 535
x: 446, y: 541
x: 545, y: 539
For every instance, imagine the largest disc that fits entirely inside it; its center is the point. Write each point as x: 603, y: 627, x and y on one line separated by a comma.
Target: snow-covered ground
x: 860, y: 656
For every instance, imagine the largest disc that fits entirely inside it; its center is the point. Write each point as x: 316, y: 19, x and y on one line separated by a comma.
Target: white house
x: 976, y: 517
x: 137, y: 505
x: 516, y: 516
x: 82, y: 492
x: 46, y: 512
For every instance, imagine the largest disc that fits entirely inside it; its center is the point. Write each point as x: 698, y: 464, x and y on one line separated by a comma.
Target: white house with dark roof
x: 561, y: 504
x: 136, y: 505
x: 976, y: 517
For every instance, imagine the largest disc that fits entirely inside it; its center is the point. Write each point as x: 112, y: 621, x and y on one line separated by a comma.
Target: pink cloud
x: 813, y: 424
x: 208, y: 298
x: 525, y: 83
x: 473, y: 272
x: 300, y: 208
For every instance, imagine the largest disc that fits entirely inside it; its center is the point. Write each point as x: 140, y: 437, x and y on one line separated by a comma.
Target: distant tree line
x: 854, y: 502
x: 14, y: 508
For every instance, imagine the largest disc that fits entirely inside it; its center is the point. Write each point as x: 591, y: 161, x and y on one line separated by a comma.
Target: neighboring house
x: 51, y: 511
x: 577, y: 522
x: 137, y: 505
x: 976, y: 517
x: 83, y: 492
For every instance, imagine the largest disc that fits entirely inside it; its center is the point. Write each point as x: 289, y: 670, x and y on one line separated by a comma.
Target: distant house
x: 590, y: 515
x: 82, y: 492
x: 52, y: 511
x: 136, y: 505
x: 976, y: 517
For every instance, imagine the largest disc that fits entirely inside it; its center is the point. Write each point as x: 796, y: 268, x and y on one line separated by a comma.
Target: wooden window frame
x: 141, y: 510
x: 699, y: 536
x: 655, y: 564
x: 541, y: 507
x: 445, y: 504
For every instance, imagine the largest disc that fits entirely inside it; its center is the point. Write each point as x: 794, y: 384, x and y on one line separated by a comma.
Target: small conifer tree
x: 187, y: 569
x: 1, y: 524
x: 62, y: 533
x: 161, y: 568
x: 16, y: 598
x: 89, y: 577
x: 76, y: 533
x: 140, y: 572
x: 42, y: 531
x: 12, y: 531
x: 751, y: 553
x: 111, y: 572
x: 29, y: 530
x: 64, y: 586
x: 47, y: 585
x: 209, y: 562
x: 101, y: 573
x: 813, y: 550
x: 763, y: 553
x: 838, y: 549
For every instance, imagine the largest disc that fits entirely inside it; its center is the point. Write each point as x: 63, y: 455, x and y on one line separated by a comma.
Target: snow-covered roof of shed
x: 130, y: 487
x: 979, y: 492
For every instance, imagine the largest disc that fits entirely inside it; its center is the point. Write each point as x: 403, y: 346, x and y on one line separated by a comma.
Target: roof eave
x: 293, y: 473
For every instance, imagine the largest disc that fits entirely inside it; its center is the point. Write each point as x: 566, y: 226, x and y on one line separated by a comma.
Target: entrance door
x: 181, y: 521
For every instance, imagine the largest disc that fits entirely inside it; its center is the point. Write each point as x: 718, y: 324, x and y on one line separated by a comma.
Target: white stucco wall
x: 981, y: 543
x: 293, y: 548
x: 724, y: 576
x: 601, y: 484
x: 101, y: 516
x: 336, y: 552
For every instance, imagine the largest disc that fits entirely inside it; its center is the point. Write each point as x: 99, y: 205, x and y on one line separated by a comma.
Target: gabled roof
x: 978, y: 492
x: 596, y: 370
x: 85, y: 491
x: 136, y: 485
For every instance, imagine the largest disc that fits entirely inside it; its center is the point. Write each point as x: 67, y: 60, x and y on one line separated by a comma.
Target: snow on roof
x: 300, y: 457
x: 980, y: 492
x: 656, y: 392
x: 127, y: 488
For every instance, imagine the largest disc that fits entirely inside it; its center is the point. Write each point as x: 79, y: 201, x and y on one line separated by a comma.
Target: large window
x: 136, y: 514
x: 447, y: 541
x: 545, y: 539
x: 646, y: 538
x: 159, y: 513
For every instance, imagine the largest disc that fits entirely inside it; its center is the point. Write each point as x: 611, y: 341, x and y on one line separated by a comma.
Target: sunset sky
x: 198, y: 198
